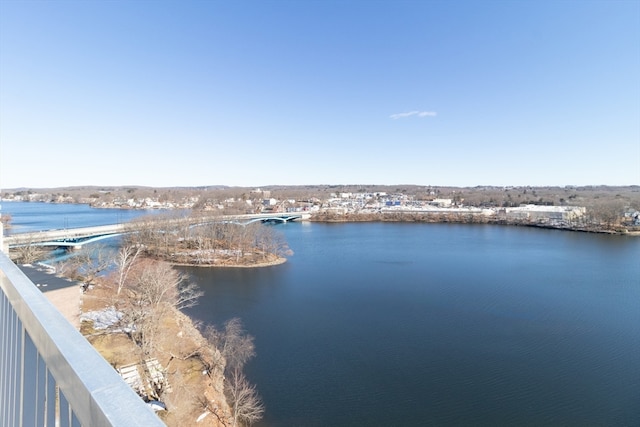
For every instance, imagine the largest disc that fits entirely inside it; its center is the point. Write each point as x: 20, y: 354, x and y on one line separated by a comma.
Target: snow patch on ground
x: 102, y: 319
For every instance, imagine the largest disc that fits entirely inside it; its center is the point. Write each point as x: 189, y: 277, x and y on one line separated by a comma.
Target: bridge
x: 77, y: 237
x: 71, y: 237
x: 266, y: 217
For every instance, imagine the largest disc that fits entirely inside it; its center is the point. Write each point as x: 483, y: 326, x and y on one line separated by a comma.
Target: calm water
x: 417, y: 324
x: 48, y: 216
x: 427, y: 324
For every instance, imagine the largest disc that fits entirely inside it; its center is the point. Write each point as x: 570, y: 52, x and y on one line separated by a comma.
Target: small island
x: 208, y: 242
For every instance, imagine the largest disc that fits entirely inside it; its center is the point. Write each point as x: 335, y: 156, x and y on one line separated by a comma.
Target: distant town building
x: 550, y: 213
x: 442, y: 203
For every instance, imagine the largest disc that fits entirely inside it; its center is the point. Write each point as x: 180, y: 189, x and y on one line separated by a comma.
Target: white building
x: 546, y: 213
x: 443, y: 203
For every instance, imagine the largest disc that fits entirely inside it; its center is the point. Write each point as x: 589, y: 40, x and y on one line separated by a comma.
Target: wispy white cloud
x: 413, y: 113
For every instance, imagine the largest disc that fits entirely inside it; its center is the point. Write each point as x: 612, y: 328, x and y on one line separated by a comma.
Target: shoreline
x: 487, y: 221
x: 279, y: 261
x: 439, y: 217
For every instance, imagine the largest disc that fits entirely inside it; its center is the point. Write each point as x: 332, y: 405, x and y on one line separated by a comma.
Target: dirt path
x: 67, y: 301
x: 64, y: 294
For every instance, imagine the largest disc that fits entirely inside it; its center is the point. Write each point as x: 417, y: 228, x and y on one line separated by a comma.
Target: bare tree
x: 87, y: 263
x: 246, y: 405
x: 125, y: 259
x: 156, y: 289
x: 234, y: 344
x: 270, y: 242
x: 607, y: 213
x: 27, y: 253
x: 236, y: 348
x: 158, y: 282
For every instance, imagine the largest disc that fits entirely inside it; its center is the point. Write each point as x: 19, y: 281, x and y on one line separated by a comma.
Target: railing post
x: 49, y: 373
x: 2, y: 246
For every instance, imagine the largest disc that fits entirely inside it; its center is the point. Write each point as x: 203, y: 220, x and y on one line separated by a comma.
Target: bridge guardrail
x: 49, y: 374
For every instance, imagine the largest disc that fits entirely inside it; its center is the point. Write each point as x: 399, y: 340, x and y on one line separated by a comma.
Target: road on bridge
x: 85, y: 232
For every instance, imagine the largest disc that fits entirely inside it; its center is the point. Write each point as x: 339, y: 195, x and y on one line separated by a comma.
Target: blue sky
x: 255, y: 93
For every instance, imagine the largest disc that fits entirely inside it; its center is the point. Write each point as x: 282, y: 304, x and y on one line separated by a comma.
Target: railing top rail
x: 97, y: 394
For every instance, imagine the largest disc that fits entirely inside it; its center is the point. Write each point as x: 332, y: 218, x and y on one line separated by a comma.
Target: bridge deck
x: 69, y: 237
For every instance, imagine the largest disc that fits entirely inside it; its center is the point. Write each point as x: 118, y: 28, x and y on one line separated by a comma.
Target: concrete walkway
x: 63, y: 293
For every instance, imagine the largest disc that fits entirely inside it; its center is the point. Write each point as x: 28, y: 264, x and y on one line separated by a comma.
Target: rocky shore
x: 277, y: 261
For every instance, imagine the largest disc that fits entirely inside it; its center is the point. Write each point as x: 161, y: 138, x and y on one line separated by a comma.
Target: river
x: 397, y: 324
x: 27, y: 217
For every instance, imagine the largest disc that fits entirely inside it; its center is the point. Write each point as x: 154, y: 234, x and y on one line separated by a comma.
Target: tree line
x: 207, y: 240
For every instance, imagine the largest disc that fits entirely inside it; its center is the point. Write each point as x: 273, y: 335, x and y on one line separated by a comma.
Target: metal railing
x: 50, y: 375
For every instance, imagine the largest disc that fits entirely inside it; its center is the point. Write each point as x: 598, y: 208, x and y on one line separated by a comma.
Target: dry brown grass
x: 179, y: 349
